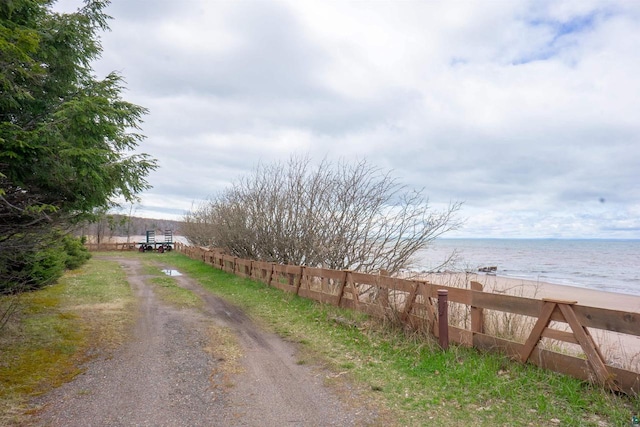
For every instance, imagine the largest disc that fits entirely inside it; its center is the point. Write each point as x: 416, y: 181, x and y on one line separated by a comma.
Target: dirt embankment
x: 172, y: 374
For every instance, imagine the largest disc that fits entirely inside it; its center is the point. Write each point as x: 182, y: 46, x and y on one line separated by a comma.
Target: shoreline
x: 607, y: 265
x: 538, y: 290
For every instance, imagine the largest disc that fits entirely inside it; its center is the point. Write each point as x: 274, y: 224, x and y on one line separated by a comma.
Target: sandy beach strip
x: 538, y: 290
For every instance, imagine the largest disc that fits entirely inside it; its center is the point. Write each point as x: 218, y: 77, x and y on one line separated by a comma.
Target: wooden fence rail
x: 413, y: 302
x: 123, y: 246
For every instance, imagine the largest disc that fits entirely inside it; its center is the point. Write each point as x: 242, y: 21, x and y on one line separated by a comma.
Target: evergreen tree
x: 67, y: 138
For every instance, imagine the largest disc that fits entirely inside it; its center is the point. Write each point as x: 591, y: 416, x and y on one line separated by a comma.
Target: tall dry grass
x: 509, y: 326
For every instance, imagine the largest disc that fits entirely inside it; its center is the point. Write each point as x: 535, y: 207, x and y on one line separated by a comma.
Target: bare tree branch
x: 336, y: 215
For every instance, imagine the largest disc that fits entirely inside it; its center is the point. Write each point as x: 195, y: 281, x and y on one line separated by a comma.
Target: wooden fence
x: 122, y: 246
x: 414, y: 303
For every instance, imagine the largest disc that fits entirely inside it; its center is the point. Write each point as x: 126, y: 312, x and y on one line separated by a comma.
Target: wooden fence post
x: 443, y: 318
x: 354, y: 290
x: 477, y: 314
x: 270, y: 275
x: 299, y: 281
x: 382, y: 293
x: 343, y: 284
x: 408, y: 304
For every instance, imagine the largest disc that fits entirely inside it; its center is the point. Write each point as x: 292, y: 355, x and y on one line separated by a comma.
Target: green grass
x: 166, y: 287
x: 55, y: 329
x: 408, y: 374
x: 168, y: 290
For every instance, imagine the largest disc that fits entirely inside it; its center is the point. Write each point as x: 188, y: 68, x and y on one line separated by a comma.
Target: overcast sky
x: 526, y: 111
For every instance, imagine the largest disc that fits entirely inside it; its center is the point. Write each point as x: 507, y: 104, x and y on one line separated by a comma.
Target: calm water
x: 608, y: 265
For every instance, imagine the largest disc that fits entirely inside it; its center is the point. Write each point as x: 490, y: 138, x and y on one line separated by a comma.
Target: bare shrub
x: 333, y: 215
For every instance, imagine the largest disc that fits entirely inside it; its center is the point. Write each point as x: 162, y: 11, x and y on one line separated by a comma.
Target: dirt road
x: 168, y: 374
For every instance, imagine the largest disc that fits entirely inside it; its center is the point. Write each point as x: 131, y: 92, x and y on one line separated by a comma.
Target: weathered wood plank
x: 463, y: 337
x: 560, y: 301
x: 477, y: 313
x: 260, y: 270
x: 508, y: 303
x: 348, y: 304
x: 355, y: 295
x: 366, y: 279
x: 332, y: 274
x: 299, y: 277
x: 626, y: 381
x: 395, y: 284
x: 541, y: 324
x: 228, y: 263
x: 392, y: 283
x: 280, y: 268
x: 459, y: 295
x: 560, y: 335
x: 341, y: 286
x: 408, y: 304
x: 270, y: 274
x: 317, y: 296
x: 587, y: 344
x: 292, y: 269
x: 608, y: 320
x: 243, y: 267
x: 283, y: 286
x: 313, y: 271
x: 591, y: 317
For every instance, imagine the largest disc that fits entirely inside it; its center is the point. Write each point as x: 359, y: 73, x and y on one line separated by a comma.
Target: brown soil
x: 173, y: 373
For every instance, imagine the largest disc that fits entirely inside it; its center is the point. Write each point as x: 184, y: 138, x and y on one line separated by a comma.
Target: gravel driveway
x: 166, y: 377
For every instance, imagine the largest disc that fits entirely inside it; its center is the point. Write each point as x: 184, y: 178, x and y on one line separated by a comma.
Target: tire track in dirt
x: 275, y: 390
x: 165, y: 377
x: 160, y: 378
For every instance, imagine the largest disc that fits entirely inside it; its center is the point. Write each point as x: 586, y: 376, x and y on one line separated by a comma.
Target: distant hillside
x: 122, y: 226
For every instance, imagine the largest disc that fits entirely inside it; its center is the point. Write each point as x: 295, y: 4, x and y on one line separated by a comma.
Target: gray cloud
x: 526, y: 111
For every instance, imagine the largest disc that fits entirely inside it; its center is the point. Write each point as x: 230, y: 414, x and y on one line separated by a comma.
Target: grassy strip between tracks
x: 53, y: 330
x: 409, y: 374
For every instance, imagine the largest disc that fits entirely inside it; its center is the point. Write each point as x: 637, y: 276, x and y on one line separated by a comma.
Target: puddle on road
x: 172, y: 272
